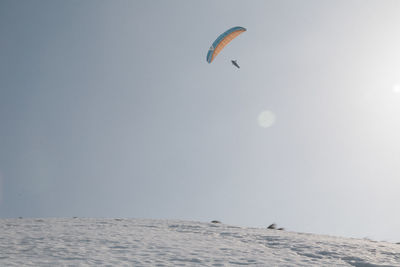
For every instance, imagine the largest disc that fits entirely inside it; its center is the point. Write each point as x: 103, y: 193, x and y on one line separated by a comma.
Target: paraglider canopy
x: 222, y: 41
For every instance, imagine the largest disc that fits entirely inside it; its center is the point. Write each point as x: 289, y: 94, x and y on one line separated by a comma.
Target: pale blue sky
x: 109, y: 109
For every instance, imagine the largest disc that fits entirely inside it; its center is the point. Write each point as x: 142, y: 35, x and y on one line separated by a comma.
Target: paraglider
x: 235, y: 64
x: 222, y: 40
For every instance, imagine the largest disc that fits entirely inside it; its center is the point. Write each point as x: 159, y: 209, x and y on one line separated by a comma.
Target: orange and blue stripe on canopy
x: 222, y: 41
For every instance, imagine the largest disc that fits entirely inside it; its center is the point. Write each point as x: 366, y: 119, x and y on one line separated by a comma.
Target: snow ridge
x: 140, y: 242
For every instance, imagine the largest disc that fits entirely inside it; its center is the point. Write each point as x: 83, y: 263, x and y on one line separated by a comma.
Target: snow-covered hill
x: 138, y: 242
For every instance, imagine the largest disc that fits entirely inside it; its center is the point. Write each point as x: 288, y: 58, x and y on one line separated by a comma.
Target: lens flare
x: 266, y: 119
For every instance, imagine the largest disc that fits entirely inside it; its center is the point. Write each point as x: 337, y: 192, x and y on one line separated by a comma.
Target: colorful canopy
x: 222, y: 41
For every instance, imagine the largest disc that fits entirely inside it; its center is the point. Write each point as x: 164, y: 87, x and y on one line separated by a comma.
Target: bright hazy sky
x: 109, y: 109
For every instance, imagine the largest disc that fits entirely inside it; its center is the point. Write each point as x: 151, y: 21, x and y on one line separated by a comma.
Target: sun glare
x: 396, y: 88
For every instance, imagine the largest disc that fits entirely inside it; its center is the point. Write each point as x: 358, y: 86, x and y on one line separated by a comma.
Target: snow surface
x: 139, y: 242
